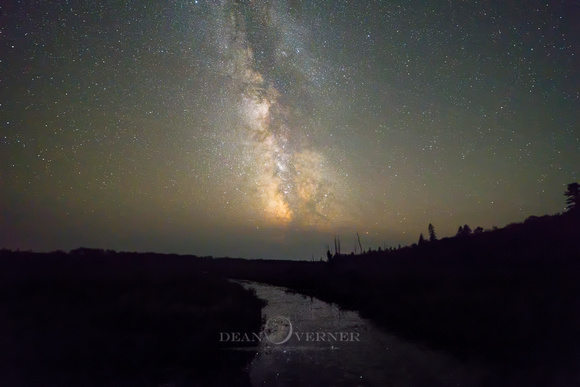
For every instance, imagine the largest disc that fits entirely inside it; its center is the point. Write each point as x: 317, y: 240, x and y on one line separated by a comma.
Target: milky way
x: 289, y: 177
x: 263, y: 128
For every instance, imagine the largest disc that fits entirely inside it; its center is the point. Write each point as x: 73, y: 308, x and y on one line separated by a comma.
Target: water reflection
x: 363, y: 355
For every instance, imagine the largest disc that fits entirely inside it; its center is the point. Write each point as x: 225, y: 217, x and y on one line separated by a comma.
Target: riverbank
x: 365, y: 355
x: 509, y: 296
x: 84, y: 320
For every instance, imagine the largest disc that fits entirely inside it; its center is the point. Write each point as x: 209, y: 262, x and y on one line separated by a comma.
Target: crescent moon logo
x: 278, y: 329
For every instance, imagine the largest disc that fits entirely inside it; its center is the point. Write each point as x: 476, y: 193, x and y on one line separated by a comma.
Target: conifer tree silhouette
x: 573, y: 197
x: 466, y: 230
x: 432, y: 235
x: 421, y: 239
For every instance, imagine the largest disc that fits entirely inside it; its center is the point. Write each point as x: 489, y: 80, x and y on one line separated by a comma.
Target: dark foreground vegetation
x: 102, y: 318
x: 510, y: 296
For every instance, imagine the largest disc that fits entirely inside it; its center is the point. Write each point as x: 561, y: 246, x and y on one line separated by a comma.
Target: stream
x: 310, y: 342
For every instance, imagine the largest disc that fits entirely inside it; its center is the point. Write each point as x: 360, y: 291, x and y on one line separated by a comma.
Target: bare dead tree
x: 359, y: 244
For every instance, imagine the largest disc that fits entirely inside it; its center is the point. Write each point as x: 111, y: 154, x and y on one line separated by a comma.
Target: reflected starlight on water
x: 376, y: 358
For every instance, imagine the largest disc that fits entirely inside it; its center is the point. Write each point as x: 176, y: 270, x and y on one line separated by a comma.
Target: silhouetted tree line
x: 508, y: 294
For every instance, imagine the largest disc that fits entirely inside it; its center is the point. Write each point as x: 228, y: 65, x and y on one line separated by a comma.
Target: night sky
x: 263, y: 128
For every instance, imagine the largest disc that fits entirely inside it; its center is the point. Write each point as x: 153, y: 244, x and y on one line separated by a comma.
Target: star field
x: 264, y: 128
